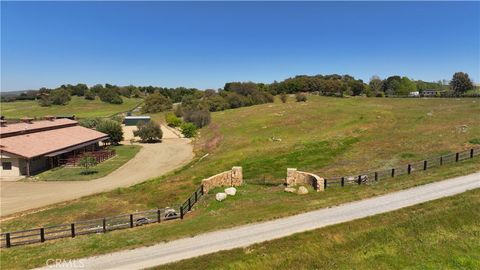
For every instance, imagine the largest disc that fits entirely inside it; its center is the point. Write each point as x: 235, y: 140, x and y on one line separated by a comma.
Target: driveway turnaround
x: 255, y: 233
x: 151, y: 161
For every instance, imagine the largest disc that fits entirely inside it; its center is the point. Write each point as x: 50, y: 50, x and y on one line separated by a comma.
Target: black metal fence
x: 364, y: 178
x: 100, y: 225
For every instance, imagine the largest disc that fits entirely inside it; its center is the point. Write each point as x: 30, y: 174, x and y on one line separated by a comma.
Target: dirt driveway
x: 153, y: 160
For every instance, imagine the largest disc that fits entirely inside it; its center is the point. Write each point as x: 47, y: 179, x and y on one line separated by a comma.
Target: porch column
x: 28, y: 167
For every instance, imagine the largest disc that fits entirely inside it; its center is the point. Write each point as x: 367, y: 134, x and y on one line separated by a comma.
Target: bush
x: 113, y: 129
x: 89, y: 123
x: 109, y: 95
x: 189, y: 130
x: 156, y: 103
x: 148, y: 132
x: 300, y: 97
x: 60, y: 96
x: 172, y: 120
x: 118, y: 118
x: 89, y: 95
x: 44, y: 101
x: 87, y: 161
x: 178, y: 111
x: 198, y: 116
x: 283, y: 97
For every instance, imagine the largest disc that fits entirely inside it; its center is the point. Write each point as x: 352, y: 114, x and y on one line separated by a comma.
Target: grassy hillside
x: 329, y: 136
x: 442, y: 234
x: 78, y: 106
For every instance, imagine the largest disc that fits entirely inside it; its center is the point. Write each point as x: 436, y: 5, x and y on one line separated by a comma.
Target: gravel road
x: 254, y: 233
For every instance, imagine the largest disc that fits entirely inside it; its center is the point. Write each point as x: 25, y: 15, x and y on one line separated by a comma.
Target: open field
x: 123, y: 154
x: 441, y: 234
x: 253, y: 203
x: 329, y: 136
x: 78, y: 106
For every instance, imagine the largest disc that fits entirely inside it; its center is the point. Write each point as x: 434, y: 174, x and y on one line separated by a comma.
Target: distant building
x: 414, y: 94
x: 134, y: 120
x: 431, y: 93
x: 33, y: 146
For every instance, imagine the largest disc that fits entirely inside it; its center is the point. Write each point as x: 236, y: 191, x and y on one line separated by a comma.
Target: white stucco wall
x: 15, y: 160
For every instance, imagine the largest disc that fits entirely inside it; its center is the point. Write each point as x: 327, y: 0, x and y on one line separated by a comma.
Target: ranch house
x: 30, y: 146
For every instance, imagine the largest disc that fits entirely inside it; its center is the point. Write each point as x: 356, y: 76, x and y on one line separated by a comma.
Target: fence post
x: 471, y: 153
x: 104, y: 223
x: 131, y: 220
x: 42, y: 235
x: 189, y: 204
x: 425, y: 164
x: 457, y: 157
x: 343, y: 181
x: 201, y: 186
x: 7, y: 240
x: 359, y: 179
x: 441, y: 160
x: 196, y: 197
x: 325, y: 184
x: 158, y: 216
x: 409, y: 168
x: 181, y: 212
x: 376, y: 176
x: 393, y: 172
x: 72, y: 226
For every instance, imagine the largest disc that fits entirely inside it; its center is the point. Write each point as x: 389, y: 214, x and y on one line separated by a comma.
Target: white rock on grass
x: 302, y: 190
x: 290, y: 189
x: 220, y: 196
x: 231, y: 191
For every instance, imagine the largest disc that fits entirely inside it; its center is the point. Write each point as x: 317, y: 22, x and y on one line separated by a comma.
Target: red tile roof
x: 34, y: 126
x: 43, y: 142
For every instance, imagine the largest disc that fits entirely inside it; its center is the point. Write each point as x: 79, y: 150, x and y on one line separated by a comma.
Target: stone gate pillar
x: 237, y: 176
x: 291, y: 176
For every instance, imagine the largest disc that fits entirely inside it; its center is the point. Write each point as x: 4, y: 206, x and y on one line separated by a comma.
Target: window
x: 7, y: 165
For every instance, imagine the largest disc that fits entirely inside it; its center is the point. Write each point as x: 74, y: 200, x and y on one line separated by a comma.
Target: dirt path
x: 153, y: 160
x: 246, y: 235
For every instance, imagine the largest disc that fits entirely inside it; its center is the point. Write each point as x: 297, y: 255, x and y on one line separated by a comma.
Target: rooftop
x: 35, y: 144
x: 34, y: 126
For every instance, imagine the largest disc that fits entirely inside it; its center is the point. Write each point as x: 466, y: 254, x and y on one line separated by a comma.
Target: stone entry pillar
x: 237, y: 176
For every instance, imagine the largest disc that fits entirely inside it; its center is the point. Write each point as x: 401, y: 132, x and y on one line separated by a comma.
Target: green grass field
x: 78, y: 106
x: 329, y: 136
x: 442, y: 234
x: 123, y: 154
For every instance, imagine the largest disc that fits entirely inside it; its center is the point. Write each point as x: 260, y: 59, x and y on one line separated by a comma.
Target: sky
x: 205, y: 44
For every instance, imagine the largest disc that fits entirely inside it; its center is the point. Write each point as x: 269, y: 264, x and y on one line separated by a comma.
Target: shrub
x: 283, y: 97
x: 148, y: 132
x: 45, y: 101
x: 109, y: 95
x: 198, y: 116
x: 113, y: 129
x: 118, y: 118
x: 178, y: 111
x: 474, y: 141
x: 87, y: 161
x: 172, y: 120
x: 189, y: 130
x: 156, y: 103
x: 300, y: 97
x: 60, y: 96
x: 89, y: 95
x: 89, y: 123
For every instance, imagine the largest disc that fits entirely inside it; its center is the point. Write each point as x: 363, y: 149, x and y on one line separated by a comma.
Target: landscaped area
x: 78, y: 106
x: 328, y: 136
x: 65, y: 173
x: 441, y: 234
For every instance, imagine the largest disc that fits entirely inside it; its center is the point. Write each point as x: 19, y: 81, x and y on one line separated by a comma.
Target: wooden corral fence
x: 99, y: 225
x: 99, y: 156
x: 423, y: 165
